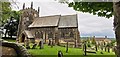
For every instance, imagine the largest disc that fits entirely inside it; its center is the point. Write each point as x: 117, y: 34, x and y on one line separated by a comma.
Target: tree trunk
x: 116, y: 6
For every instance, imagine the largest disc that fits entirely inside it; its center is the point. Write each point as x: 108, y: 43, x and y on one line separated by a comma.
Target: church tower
x: 26, y: 18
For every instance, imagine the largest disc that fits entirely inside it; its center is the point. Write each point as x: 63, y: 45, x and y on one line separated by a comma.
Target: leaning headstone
x: 101, y: 52
x: 41, y: 44
x: 60, y: 54
x: 67, y: 48
x: 34, y: 46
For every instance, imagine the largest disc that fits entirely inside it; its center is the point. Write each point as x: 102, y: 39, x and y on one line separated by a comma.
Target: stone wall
x: 19, y: 49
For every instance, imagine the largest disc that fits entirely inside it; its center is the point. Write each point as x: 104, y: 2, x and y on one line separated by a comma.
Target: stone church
x: 58, y: 28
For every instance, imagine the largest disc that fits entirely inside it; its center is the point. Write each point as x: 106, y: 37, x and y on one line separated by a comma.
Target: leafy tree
x: 9, y: 24
x: 6, y: 10
x: 11, y: 27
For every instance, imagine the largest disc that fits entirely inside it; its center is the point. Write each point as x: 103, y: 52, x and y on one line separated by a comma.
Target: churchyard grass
x: 47, y: 51
x: 74, y: 52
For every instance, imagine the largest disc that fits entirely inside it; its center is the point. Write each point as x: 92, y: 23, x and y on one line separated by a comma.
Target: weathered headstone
x: 108, y: 49
x: 101, y: 47
x: 85, y: 47
x: 27, y: 47
x: 60, y: 54
x: 105, y: 48
x: 27, y: 44
x: 67, y: 48
x: 96, y: 48
x: 34, y: 46
x: 101, y: 52
x: 50, y: 42
x: 41, y: 44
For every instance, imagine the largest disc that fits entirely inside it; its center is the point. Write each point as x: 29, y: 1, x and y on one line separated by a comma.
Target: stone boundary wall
x: 20, y: 50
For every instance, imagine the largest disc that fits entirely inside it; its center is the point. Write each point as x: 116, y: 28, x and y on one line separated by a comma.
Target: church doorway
x: 23, y: 38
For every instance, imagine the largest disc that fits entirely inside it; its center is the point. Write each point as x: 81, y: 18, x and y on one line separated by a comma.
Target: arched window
x: 41, y: 34
x: 50, y: 35
x: 62, y: 34
x: 36, y: 34
x: 71, y: 34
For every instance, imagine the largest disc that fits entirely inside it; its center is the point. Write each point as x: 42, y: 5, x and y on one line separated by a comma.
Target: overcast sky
x: 89, y: 25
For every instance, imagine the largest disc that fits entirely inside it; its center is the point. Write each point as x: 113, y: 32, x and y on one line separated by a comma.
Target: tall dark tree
x: 11, y: 27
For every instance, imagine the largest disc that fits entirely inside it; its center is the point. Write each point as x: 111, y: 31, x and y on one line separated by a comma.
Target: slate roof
x: 46, y: 21
x: 65, y: 21
x: 68, y: 21
x: 28, y: 34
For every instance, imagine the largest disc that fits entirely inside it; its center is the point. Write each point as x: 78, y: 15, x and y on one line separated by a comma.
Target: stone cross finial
x: 38, y: 9
x: 24, y: 6
x: 31, y: 5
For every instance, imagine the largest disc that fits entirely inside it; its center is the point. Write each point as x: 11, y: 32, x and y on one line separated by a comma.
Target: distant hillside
x: 84, y: 38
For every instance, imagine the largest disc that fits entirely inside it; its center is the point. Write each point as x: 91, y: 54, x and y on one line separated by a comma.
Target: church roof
x: 68, y: 21
x: 56, y: 20
x: 28, y: 34
x: 46, y: 21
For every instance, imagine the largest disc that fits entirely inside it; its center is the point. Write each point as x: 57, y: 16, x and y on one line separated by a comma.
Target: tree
x: 7, y: 13
x: 6, y: 9
x: 102, y: 9
x: 11, y: 27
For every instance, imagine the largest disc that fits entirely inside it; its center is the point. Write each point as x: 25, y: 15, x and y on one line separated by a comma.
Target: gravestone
x: 96, y: 48
x: 34, y: 46
x: 50, y: 42
x: 105, y: 48
x: 101, y: 47
x: 108, y: 49
x: 101, y: 52
x: 27, y: 44
x: 60, y: 54
x: 67, y: 48
x: 41, y: 44
x: 85, y: 48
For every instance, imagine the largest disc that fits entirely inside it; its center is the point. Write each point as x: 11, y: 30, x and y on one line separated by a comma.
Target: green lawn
x: 10, y: 40
x: 74, y: 52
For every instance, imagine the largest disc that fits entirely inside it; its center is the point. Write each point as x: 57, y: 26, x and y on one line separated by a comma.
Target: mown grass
x: 10, y: 40
x: 73, y: 52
